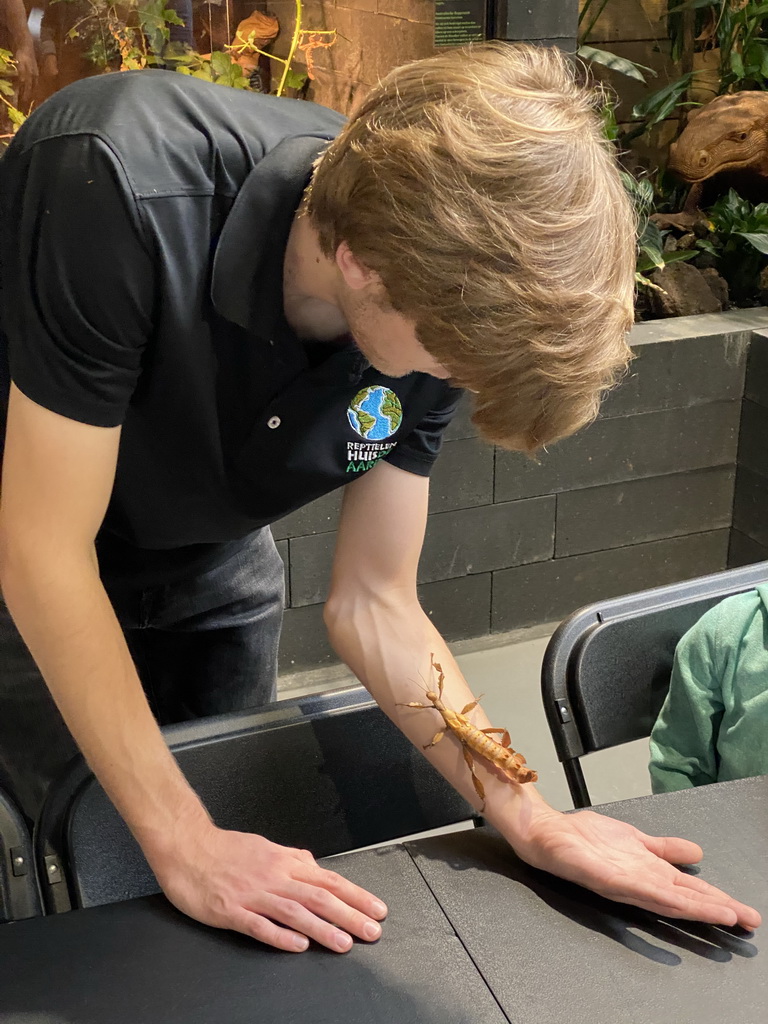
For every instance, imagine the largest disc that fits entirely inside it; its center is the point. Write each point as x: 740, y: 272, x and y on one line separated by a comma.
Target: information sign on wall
x: 459, y: 21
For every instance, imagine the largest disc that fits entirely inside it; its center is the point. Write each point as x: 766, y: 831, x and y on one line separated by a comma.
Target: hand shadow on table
x: 484, y: 851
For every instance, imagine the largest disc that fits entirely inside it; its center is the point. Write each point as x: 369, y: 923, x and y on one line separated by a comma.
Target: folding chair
x: 19, y: 893
x: 607, y: 668
x: 328, y: 773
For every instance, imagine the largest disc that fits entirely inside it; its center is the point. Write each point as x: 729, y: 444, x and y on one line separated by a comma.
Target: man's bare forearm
x: 387, y: 643
x: 14, y: 14
x: 64, y: 615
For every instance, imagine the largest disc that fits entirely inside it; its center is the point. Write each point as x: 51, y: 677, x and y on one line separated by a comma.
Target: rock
x: 680, y: 221
x: 704, y: 261
x: 673, y: 244
x: 718, y: 285
x: 686, y: 292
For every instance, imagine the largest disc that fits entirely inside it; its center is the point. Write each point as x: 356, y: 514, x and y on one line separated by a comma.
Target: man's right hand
x: 275, y: 894
x: 26, y: 72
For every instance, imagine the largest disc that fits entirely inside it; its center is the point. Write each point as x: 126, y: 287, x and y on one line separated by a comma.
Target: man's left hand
x: 621, y: 863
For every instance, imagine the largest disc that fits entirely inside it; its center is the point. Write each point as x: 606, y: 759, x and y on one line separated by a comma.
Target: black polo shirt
x: 145, y: 218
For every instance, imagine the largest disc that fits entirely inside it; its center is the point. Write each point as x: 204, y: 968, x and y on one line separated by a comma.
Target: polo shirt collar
x: 247, y: 275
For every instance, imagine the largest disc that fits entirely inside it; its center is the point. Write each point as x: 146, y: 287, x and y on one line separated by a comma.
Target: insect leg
x: 505, y: 739
x: 475, y: 781
x: 440, y: 676
x: 438, y: 736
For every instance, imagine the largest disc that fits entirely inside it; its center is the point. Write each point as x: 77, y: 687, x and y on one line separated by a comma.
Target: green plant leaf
x: 704, y: 245
x: 221, y: 62
x: 660, y: 104
x: 614, y: 62
x: 171, y: 17
x: 758, y: 239
x: 6, y: 88
x: 737, y: 64
x: 295, y: 80
x: 651, y: 238
x: 678, y: 255
x: 16, y: 116
x: 649, y: 256
x: 610, y: 125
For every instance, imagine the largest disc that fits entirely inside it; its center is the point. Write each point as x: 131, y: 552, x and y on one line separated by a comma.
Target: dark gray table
x: 553, y: 953
x: 474, y: 937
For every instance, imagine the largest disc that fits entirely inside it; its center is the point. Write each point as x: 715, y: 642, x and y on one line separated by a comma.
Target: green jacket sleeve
x: 684, y: 738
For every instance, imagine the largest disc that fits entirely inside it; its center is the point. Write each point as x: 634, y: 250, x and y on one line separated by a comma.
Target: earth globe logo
x: 375, y: 413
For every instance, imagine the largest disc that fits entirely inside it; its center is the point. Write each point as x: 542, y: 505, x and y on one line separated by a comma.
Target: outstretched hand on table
x: 273, y: 893
x: 620, y: 862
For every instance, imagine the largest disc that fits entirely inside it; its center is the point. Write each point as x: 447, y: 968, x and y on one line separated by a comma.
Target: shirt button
x: 273, y: 422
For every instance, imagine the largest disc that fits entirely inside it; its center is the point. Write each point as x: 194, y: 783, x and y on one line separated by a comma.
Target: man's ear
x: 356, y: 275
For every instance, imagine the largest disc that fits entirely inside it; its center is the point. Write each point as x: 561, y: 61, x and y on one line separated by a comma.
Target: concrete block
x: 743, y: 550
x: 462, y: 476
x: 750, y: 504
x: 681, y: 372
x: 753, y: 439
x: 311, y: 561
x: 550, y: 591
x: 304, y: 641
x: 618, y: 515
x: 488, y: 537
x: 459, y: 608
x: 756, y: 385
x: 625, y: 448
x: 319, y: 516
x: 461, y: 424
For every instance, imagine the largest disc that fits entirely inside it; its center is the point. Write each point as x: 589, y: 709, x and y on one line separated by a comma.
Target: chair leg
x: 576, y: 783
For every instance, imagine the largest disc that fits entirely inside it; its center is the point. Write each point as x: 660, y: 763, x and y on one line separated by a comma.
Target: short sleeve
x: 417, y: 451
x: 76, y: 278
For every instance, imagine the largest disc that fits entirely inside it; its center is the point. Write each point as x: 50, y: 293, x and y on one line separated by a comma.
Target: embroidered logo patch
x: 374, y: 414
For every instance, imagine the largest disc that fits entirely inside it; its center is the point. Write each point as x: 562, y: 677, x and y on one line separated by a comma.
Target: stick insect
x: 474, y: 741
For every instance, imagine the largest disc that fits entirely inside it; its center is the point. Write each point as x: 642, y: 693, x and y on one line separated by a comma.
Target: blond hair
x: 478, y: 184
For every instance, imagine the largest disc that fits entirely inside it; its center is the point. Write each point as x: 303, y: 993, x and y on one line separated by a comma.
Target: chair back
x: 328, y: 773
x: 607, y: 668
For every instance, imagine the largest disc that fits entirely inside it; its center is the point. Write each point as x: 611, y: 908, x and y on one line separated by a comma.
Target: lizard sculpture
x: 729, y: 134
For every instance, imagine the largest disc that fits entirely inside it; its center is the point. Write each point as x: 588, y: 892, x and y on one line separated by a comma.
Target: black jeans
x: 203, y: 646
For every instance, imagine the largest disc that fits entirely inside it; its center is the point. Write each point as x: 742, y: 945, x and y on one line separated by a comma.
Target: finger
x: 672, y: 902
x: 672, y: 849
x: 351, y: 894
x: 747, y: 916
x: 299, y: 918
x: 330, y: 908
x: 261, y: 928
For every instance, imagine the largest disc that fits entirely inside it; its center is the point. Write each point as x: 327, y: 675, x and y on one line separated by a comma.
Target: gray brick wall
x: 642, y: 497
x: 749, y: 536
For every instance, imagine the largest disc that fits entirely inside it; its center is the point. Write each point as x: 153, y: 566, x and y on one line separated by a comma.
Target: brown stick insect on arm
x: 475, y: 742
